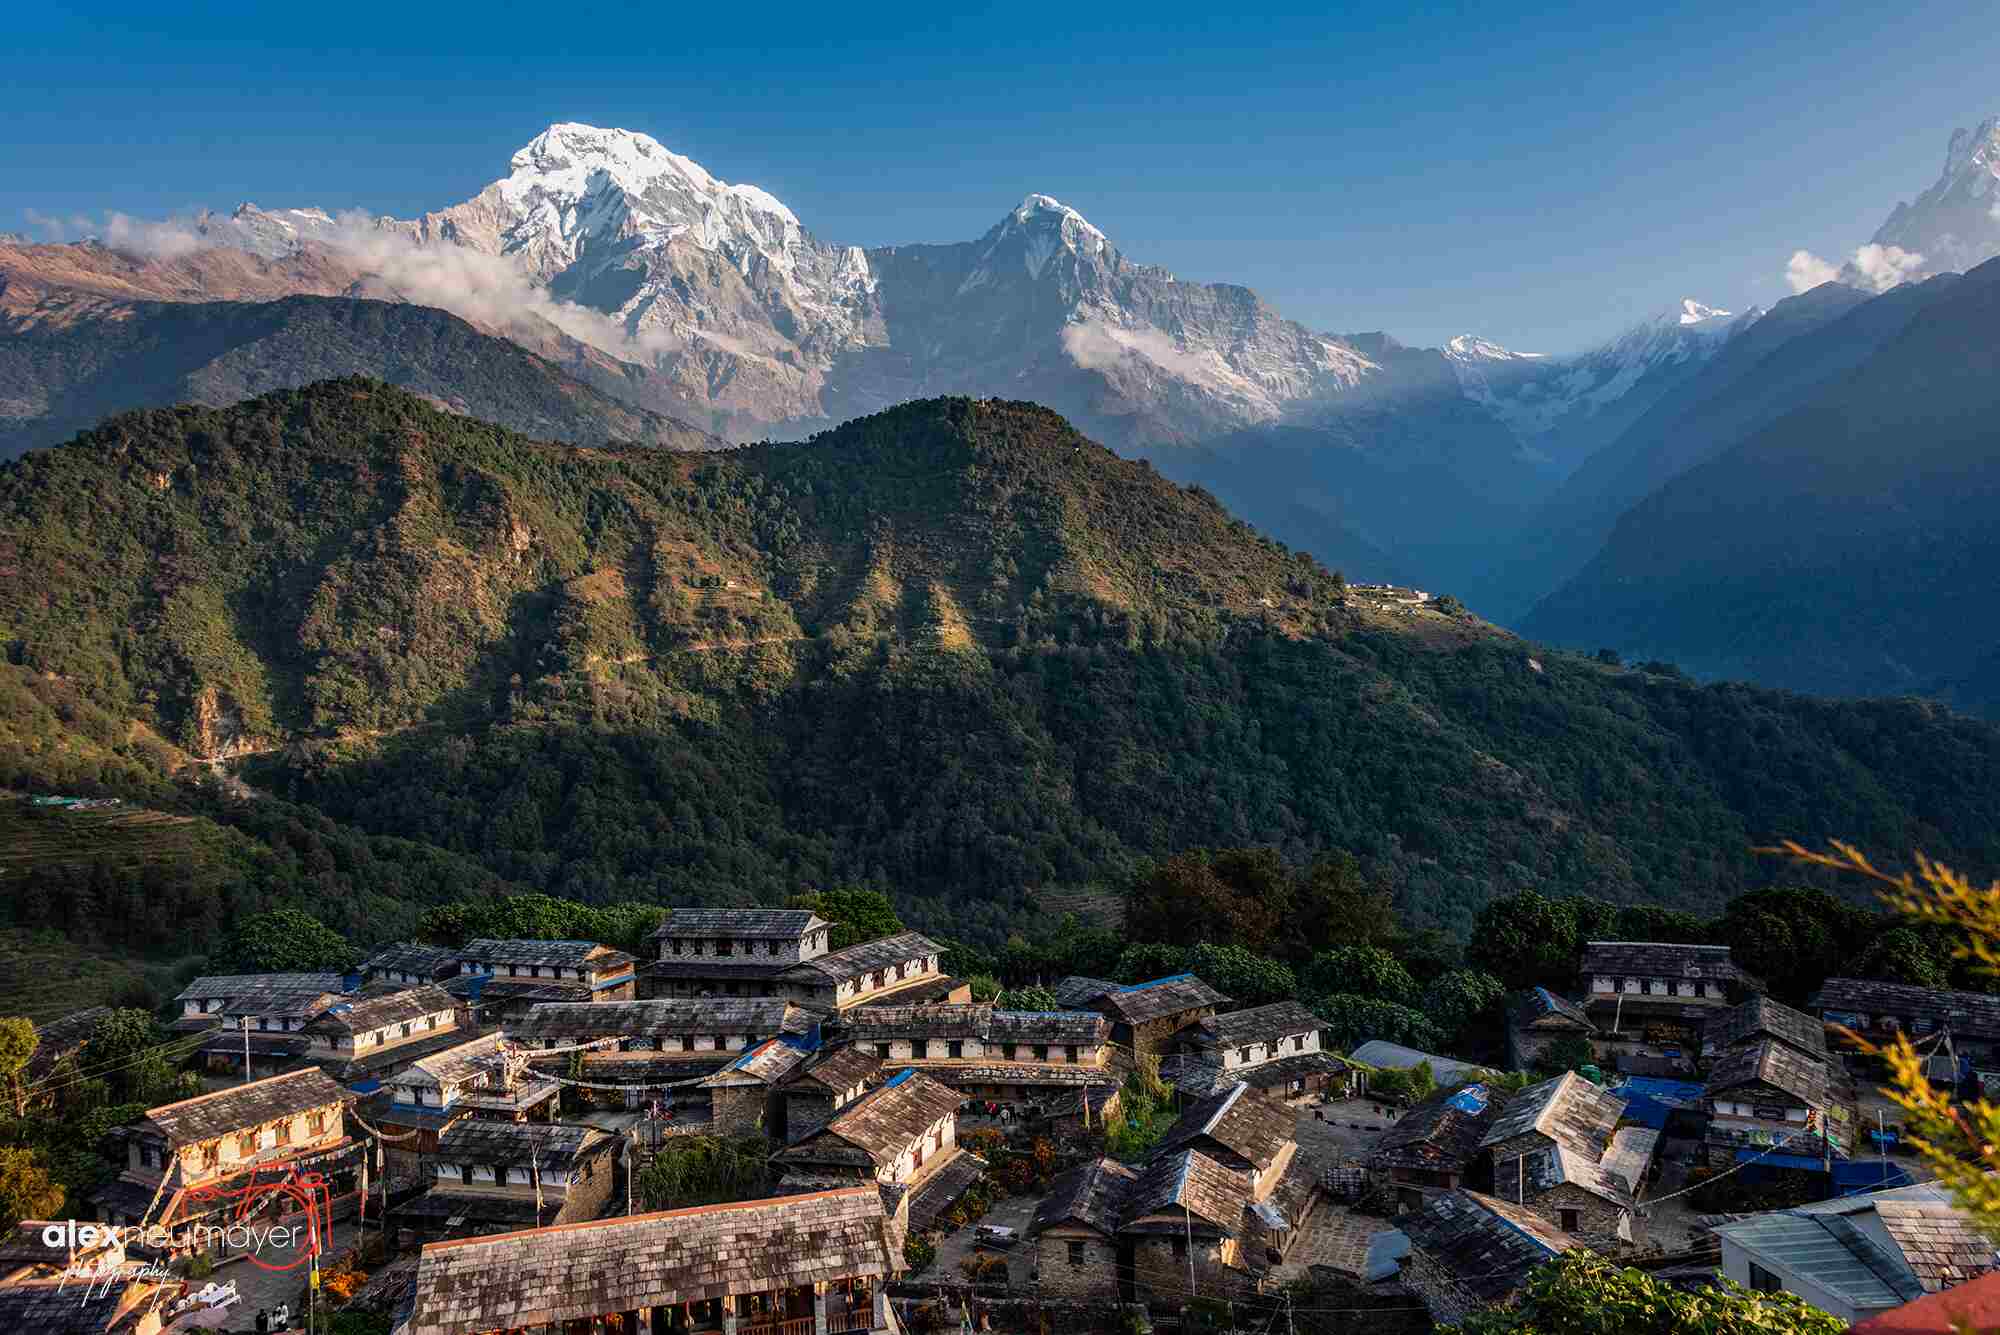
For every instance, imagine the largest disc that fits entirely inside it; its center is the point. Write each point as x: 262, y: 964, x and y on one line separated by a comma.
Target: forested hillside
x: 954, y: 651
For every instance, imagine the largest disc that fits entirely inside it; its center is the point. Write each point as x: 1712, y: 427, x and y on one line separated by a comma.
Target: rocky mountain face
x: 1954, y: 225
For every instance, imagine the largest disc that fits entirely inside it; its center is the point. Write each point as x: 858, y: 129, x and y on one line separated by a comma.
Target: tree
x: 1364, y: 971
x: 17, y: 1048
x: 1334, y: 903
x: 1583, y: 1294
x: 857, y: 915
x: 125, y: 1051
x: 1793, y: 937
x: 1029, y: 999
x: 985, y: 987
x: 1143, y: 963
x: 1247, y: 978
x: 1525, y: 939
x: 1463, y: 999
x: 285, y: 940
x: 26, y: 1189
x: 1907, y: 955
x: 1231, y: 896
x: 1352, y: 1021
x: 1566, y: 1054
x: 1651, y: 922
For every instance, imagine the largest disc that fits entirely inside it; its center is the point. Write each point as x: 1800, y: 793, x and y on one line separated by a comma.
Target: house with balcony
x: 901, y: 968
x: 409, y: 963
x: 646, y: 1048
x: 500, y: 1177
x: 370, y: 1033
x: 1537, y: 1020
x: 1274, y: 1048
x: 1761, y: 1018
x: 600, y: 972
x: 731, y: 952
x: 1653, y: 1000
x: 1879, y: 1011
x: 815, y: 1264
x: 747, y: 1095
x: 900, y: 1135
x: 988, y: 1053
x: 1147, y: 1017
x: 184, y: 1159
x: 265, y: 1027
x: 1558, y: 1150
x: 487, y: 1078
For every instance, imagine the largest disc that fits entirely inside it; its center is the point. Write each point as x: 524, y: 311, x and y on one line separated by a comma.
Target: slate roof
x: 740, y: 924
x: 573, y: 1271
x: 1247, y: 1123
x: 1093, y: 1194
x: 986, y: 1023
x: 239, y: 1107
x: 840, y: 965
x: 1488, y: 1245
x: 411, y: 1003
x: 886, y: 1119
x: 1142, y: 1002
x: 60, y: 1036
x: 1966, y: 1014
x: 1059, y: 1074
x: 443, y: 1203
x: 1933, y: 1244
x: 1761, y: 1017
x: 230, y: 986
x: 840, y: 1070
x: 462, y: 1061
x: 703, y: 968
x: 935, y: 989
x: 1260, y: 1024
x: 1663, y: 959
x: 486, y: 989
x: 1196, y: 1076
x: 935, y: 1194
x: 410, y: 957
x: 771, y: 1062
x: 1441, y: 1134
x: 1538, y: 1003
x: 1771, y: 1063
x: 51, y: 1307
x: 507, y: 1144
x: 1077, y: 990
x: 591, y: 955
x: 1188, y: 1180
x: 1384, y: 1055
x: 1569, y: 1110
x: 1974, y: 1305
x: 1615, y: 1178
x: 759, y: 1017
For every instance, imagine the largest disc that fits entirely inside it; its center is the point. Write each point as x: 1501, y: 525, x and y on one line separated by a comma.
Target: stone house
x: 730, y: 952
x: 1858, y: 1256
x: 896, y: 1134
x: 485, y: 999
x: 1435, y: 1146
x: 482, y: 1078
x: 371, y: 1025
x: 604, y: 973
x: 1274, y: 1048
x: 987, y: 1053
x: 1075, y: 1230
x: 791, y: 1266
x: 905, y: 967
x: 496, y: 1177
x: 1182, y: 1229
x: 181, y: 1156
x: 1879, y: 1011
x: 1652, y: 1000
x: 1537, y: 1020
x: 409, y: 963
x: 1762, y: 1018
x: 1147, y: 1017
x: 225, y: 999
x: 1470, y: 1252
x: 1243, y: 1130
x: 66, y: 1036
x: 662, y: 1048
x: 745, y: 1096
x: 1765, y: 1098
x: 832, y: 1078
x: 1558, y: 1151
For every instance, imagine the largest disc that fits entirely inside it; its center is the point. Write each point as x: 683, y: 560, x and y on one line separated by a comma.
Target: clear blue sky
x: 1539, y: 178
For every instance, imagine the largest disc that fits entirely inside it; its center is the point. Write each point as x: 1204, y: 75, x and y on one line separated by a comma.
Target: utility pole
x: 1188, y: 1215
x: 246, y: 1049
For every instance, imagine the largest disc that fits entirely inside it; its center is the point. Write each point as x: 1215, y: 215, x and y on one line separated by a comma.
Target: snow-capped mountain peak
x: 1696, y: 312
x: 1472, y: 348
x: 1951, y: 227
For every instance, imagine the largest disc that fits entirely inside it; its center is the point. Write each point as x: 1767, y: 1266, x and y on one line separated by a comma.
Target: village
x: 478, y: 1139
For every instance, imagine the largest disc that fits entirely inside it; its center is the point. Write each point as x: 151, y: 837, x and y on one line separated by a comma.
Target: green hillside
x: 954, y: 650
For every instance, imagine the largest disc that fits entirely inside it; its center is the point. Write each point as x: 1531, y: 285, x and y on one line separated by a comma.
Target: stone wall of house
x: 1094, y: 1275
x: 738, y: 1110
x: 592, y: 1186
x: 806, y: 1111
x: 1436, y: 1286
x: 1161, y: 1277
x: 1594, y: 1217
x: 1513, y: 1147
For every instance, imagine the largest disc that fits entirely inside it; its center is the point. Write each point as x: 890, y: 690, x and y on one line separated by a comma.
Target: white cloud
x: 1882, y: 267
x: 154, y: 240
x: 1806, y: 271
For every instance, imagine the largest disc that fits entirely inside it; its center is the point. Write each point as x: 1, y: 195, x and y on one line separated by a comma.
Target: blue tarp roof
x: 1852, y: 1175
x: 1649, y: 1099
x: 1170, y: 978
x: 1471, y: 1099
x: 365, y: 1086
x: 1809, y: 1162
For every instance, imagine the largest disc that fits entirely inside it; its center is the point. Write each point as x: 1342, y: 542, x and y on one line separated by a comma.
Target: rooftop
x: 840, y: 965
x: 986, y: 1023
x: 1538, y: 1003
x: 577, y: 1271
x: 785, y: 924
x: 1663, y: 959
x: 1761, y: 1017
x: 1966, y: 1014
x: 413, y: 958
x: 1569, y: 1110
x: 759, y: 1017
x: 1195, y: 1075
x: 412, y: 1003
x: 1488, y: 1245
x: 591, y: 955
x: 229, y: 986
x: 1387, y: 1056
x: 1259, y: 1024
x: 207, y: 1116
x: 840, y: 1070
x: 1769, y: 1062
x: 1189, y: 1181
x: 1093, y: 1194
x: 1973, y: 1305
x: 886, y: 1119
x: 1930, y: 1244
x: 462, y: 1062
x: 1442, y: 1133
x: 1241, y: 1120
x: 771, y: 1062
x: 506, y: 1144
x: 1077, y: 990
x: 1141, y: 1002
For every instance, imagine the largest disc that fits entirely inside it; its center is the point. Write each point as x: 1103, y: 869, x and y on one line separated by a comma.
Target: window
x: 722, y: 950
x: 1075, y: 1253
x: 246, y: 1145
x: 937, y: 1138
x: 1180, y: 1249
x: 1069, y: 1052
x: 1568, y: 1220
x: 210, y: 1153
x: 882, y: 1050
x: 956, y: 1048
x: 1763, y: 1281
x: 1041, y: 1052
x: 285, y: 1132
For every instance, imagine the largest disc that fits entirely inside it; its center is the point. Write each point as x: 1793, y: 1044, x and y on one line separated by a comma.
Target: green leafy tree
x: 126, y: 1051
x: 1463, y: 999
x: 1143, y: 963
x: 285, y: 940
x: 1652, y: 922
x: 1334, y: 903
x: 1792, y: 937
x: 1245, y: 977
x: 1352, y: 1021
x: 1566, y: 1054
x: 1583, y: 1294
x: 1029, y: 999
x: 985, y: 987
x: 1525, y: 939
x: 26, y: 1189
x: 1907, y: 955
x: 1231, y: 896
x: 1364, y: 971
x: 17, y: 1048
x: 857, y: 915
